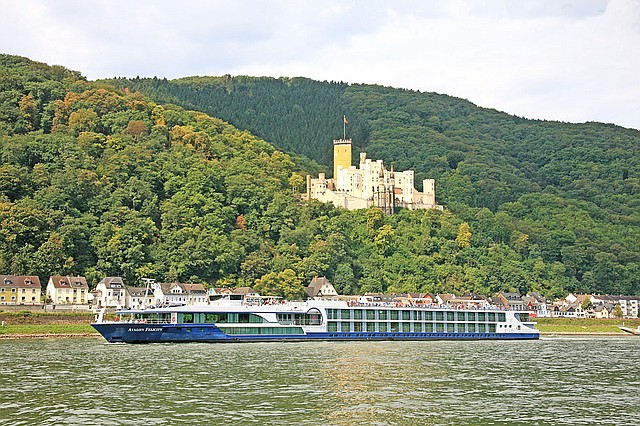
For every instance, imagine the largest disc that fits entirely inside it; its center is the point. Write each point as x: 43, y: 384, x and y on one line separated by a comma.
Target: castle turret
x: 341, y: 155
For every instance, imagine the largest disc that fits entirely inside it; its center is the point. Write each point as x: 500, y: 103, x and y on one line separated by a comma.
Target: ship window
x: 357, y: 314
x: 406, y: 315
x: 471, y: 328
x: 394, y: 315
x: 428, y: 327
x: 439, y: 327
x: 450, y: 316
x: 439, y: 316
x: 213, y: 318
x: 185, y: 318
x: 382, y: 327
x: 492, y: 316
x: 332, y: 326
x: 357, y: 327
x: 501, y: 317
x: 345, y: 327
x: 482, y: 316
x: 418, y: 315
x: 481, y: 328
x: 382, y: 315
x: 471, y: 316
x: 451, y: 327
x: 284, y: 318
x: 371, y: 326
x: 371, y: 314
x: 492, y: 328
x: 261, y: 330
x: 312, y: 317
x: 332, y: 314
x: 406, y: 327
x: 394, y: 327
x: 417, y: 327
x: 345, y: 314
x: 460, y: 316
x: 428, y: 315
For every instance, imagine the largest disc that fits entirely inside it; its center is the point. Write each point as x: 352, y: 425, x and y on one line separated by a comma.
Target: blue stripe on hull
x: 140, y: 333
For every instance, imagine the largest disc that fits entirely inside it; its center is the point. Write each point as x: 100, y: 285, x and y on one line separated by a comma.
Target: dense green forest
x: 98, y: 179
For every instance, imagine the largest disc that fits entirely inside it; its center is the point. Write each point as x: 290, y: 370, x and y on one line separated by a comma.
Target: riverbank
x: 584, y: 326
x: 33, y: 324
x: 25, y: 325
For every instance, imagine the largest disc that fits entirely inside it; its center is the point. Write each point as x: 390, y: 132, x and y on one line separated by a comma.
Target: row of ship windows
x: 406, y: 327
x: 261, y: 330
x: 414, y: 315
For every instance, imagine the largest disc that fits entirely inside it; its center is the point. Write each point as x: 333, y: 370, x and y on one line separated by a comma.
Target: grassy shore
x: 47, y: 324
x: 27, y: 324
x: 47, y: 330
x: 584, y: 325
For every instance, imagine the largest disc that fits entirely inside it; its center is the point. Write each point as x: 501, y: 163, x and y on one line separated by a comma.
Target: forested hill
x: 480, y: 157
x: 97, y: 179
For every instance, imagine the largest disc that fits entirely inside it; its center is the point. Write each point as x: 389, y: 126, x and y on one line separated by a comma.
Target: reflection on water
x: 551, y: 381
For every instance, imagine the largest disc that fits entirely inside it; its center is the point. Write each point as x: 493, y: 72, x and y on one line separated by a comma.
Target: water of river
x: 554, y: 381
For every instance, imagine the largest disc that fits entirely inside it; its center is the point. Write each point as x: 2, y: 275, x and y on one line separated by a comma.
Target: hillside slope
x: 100, y: 180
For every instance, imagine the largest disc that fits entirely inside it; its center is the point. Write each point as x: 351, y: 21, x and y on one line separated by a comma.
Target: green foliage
x: 98, y: 180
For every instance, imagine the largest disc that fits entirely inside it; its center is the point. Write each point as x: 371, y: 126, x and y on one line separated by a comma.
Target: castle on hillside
x: 369, y: 184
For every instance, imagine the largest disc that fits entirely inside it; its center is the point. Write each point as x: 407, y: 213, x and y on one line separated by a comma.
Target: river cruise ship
x: 234, y: 318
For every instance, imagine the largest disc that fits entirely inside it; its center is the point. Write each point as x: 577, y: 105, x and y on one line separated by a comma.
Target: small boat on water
x: 235, y: 318
x: 635, y: 331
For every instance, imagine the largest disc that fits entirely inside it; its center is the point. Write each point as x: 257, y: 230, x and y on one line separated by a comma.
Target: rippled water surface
x: 555, y: 381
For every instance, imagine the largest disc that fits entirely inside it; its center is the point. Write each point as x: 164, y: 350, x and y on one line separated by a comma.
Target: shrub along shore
x: 48, y: 325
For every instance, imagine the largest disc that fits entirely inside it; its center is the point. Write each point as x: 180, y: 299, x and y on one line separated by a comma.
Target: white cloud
x: 571, y: 60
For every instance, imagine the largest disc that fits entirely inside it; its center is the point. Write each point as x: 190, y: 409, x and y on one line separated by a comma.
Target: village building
x: 20, y: 290
x: 537, y: 304
x: 320, y: 287
x: 66, y: 290
x: 369, y: 185
x: 110, y: 293
x: 180, y: 294
x: 510, y: 301
x: 604, y: 310
x: 445, y: 299
x: 139, y: 297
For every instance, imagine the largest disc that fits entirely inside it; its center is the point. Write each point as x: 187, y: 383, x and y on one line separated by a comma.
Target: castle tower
x: 392, y: 192
x: 341, y: 155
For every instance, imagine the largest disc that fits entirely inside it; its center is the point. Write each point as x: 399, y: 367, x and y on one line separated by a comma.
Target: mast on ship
x: 148, y: 282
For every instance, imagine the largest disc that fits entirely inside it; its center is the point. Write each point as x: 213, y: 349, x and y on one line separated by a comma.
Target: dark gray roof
x: 112, y: 282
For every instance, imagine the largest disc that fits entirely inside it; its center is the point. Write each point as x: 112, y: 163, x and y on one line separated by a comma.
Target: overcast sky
x: 567, y: 60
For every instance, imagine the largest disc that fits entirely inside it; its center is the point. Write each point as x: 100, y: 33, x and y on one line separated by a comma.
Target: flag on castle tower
x: 345, y: 119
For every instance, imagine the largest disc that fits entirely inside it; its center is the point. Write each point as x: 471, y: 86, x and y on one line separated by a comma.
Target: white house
x: 180, y: 294
x: 138, y: 297
x: 110, y: 293
x: 66, y: 290
x: 320, y: 287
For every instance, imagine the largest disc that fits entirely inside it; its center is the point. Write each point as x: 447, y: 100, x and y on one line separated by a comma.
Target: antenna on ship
x: 148, y: 282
